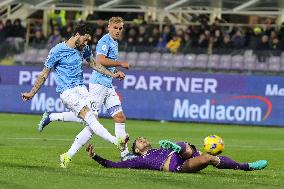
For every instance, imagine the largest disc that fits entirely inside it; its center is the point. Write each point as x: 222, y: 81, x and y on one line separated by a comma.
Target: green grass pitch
x: 29, y: 159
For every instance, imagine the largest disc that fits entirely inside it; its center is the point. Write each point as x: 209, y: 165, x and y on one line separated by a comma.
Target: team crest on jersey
x: 47, y: 58
x: 104, y: 47
x: 93, y: 106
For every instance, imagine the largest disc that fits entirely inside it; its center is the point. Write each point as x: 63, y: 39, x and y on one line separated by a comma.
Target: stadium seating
x: 249, y: 62
x: 122, y: 56
x: 225, y: 62
x: 274, y: 64
x: 167, y: 60
x: 238, y: 62
x: 131, y: 57
x: 213, y: 62
x: 41, y: 56
x: 178, y: 61
x: 261, y: 66
x: 246, y: 61
x: 31, y: 55
x: 20, y: 58
x: 142, y: 60
x: 154, y: 60
x: 201, y: 61
x: 189, y: 61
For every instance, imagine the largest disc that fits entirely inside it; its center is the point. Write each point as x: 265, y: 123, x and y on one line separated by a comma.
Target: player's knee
x: 83, y: 112
x: 187, y: 151
x: 188, y: 148
x: 207, y: 159
x: 119, y: 117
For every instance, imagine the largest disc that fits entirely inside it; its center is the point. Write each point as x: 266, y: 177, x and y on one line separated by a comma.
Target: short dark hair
x: 83, y: 29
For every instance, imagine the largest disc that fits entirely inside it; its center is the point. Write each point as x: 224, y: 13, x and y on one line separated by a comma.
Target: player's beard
x: 78, y: 46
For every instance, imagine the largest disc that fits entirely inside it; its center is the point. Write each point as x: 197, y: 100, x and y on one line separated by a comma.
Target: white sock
x: 80, y: 140
x: 56, y: 117
x: 71, y: 116
x: 120, y: 132
x: 64, y: 116
x: 119, y: 129
x: 98, y: 128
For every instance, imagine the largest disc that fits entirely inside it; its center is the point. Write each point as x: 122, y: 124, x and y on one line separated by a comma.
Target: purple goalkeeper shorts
x: 177, y: 161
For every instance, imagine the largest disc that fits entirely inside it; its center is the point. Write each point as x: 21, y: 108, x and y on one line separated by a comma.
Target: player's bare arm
x: 38, y: 83
x: 108, y: 62
x: 90, y: 150
x: 100, y: 68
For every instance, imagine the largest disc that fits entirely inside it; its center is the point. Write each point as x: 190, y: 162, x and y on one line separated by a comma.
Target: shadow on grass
x: 22, y: 166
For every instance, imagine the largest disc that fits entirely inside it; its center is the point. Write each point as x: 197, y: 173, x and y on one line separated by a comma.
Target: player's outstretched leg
x: 93, y: 127
x: 98, y: 129
x: 63, y: 116
x: 221, y: 162
x: 228, y: 163
x: 81, y: 139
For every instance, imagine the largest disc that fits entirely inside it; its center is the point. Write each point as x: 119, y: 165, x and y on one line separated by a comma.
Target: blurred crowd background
x: 261, y: 37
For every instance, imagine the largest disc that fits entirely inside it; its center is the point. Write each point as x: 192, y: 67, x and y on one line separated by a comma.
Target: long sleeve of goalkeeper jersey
x: 154, y: 160
x: 132, y: 163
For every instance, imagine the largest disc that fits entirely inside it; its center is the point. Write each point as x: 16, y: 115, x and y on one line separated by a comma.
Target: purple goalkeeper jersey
x: 154, y: 160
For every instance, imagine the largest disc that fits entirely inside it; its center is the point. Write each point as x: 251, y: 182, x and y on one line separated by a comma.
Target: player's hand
x: 27, y: 96
x: 90, y: 150
x: 120, y: 75
x: 124, y: 65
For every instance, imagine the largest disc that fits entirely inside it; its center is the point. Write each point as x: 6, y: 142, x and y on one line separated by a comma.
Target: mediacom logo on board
x: 226, y: 110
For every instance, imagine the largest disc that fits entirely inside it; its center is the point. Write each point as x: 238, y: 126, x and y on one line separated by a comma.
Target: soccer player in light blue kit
x: 100, y: 85
x: 66, y: 59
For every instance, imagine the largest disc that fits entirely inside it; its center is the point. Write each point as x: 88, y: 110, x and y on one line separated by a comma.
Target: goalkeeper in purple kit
x: 173, y: 157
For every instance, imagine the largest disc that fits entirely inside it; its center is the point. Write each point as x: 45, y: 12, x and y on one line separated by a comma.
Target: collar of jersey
x: 71, y: 47
x: 111, y: 38
x: 68, y: 46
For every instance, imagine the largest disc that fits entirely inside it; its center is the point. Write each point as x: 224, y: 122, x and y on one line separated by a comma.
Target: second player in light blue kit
x: 100, y: 85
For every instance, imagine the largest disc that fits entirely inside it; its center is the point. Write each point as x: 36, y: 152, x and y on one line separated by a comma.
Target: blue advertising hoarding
x: 172, y: 96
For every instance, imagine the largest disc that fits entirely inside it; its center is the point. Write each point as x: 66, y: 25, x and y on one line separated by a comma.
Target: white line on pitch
x: 60, y: 139
x: 30, y: 138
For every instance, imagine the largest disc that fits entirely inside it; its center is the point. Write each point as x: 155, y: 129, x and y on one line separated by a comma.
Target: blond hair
x: 115, y: 20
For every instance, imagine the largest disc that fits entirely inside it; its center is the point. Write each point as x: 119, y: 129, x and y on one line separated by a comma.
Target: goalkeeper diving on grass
x: 179, y: 157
